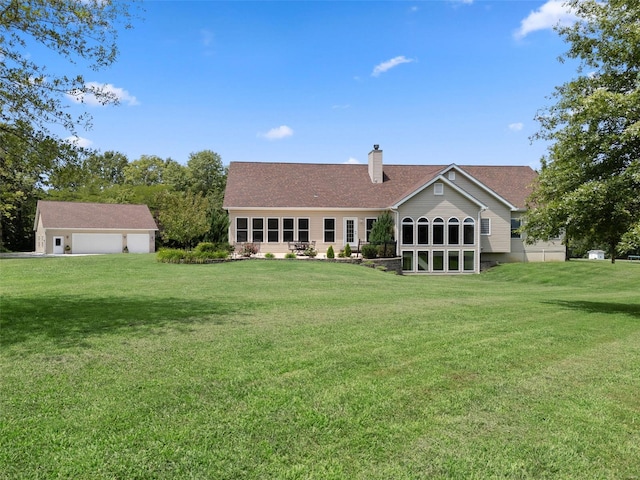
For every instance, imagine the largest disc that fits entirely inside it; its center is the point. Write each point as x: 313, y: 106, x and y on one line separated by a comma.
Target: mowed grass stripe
x: 120, y: 367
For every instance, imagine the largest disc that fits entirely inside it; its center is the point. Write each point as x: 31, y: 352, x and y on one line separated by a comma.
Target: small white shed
x: 596, y: 254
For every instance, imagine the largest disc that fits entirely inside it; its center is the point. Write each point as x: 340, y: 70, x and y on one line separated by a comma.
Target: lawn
x: 123, y: 368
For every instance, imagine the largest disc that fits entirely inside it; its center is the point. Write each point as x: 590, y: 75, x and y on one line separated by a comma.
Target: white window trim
x: 438, y: 188
x: 488, y: 220
x: 324, y: 229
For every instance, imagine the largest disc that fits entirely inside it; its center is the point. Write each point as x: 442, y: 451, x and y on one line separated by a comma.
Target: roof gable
x: 440, y: 178
x: 94, y: 216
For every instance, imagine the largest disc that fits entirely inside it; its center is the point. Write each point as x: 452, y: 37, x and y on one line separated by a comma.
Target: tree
x: 147, y: 170
x: 183, y: 217
x: 207, y: 175
x: 32, y: 96
x: 382, y: 229
x: 589, y: 184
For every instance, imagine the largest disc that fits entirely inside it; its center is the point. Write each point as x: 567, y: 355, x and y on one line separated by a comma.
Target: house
x: 71, y: 227
x: 596, y: 254
x: 448, y: 218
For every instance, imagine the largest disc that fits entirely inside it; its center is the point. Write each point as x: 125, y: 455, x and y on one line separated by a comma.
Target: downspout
x: 479, y: 238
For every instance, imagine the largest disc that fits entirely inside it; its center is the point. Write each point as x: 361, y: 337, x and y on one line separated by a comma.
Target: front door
x: 58, y: 244
x: 351, y: 232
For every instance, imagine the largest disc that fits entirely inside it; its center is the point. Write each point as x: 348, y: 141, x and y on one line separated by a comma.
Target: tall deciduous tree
x: 183, y: 217
x: 589, y: 184
x: 32, y: 96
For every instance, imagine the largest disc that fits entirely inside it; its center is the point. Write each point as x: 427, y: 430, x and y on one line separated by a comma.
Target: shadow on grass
x: 69, y: 320
x: 599, y: 307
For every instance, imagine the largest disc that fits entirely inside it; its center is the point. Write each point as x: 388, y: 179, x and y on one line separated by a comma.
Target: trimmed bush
x: 347, y: 250
x: 290, y: 255
x: 170, y: 255
x: 369, y: 251
x: 330, y: 252
x: 214, y: 247
x: 269, y: 255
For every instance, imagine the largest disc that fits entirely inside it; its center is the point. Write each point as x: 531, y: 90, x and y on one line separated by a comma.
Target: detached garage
x: 73, y: 227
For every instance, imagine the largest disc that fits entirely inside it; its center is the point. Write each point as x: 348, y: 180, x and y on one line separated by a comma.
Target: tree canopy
x: 589, y: 183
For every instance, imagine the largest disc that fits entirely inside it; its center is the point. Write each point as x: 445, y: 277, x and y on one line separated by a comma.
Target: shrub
x: 249, y: 249
x: 310, y: 252
x: 170, y: 255
x: 290, y: 255
x: 347, y: 250
x: 214, y: 247
x: 341, y: 254
x: 205, y: 247
x: 387, y: 250
x: 330, y: 252
x: 369, y: 251
x: 382, y: 229
x: 269, y: 255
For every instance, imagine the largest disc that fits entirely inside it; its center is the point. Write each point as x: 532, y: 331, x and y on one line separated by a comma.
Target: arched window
x: 438, y: 231
x: 469, y: 231
x: 407, y: 231
x: 453, y: 231
x: 423, y: 231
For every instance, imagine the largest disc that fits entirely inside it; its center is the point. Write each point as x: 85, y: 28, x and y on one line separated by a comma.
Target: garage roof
x: 94, y: 216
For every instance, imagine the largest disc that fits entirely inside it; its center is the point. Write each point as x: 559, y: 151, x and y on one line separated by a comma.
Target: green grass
x: 121, y: 367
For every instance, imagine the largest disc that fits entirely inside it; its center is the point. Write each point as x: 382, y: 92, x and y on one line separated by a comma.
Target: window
x: 423, y: 261
x: 453, y: 231
x: 438, y: 189
x: 370, y: 222
x: 242, y: 230
x: 515, y: 225
x: 452, y: 175
x: 329, y: 230
x: 468, y: 231
x: 287, y: 230
x: 257, y: 225
x: 407, y: 231
x: 303, y: 229
x: 407, y: 260
x: 423, y: 231
x: 485, y: 226
x: 454, y: 260
x: 468, y: 262
x: 273, y: 230
x: 438, y: 261
x: 438, y: 231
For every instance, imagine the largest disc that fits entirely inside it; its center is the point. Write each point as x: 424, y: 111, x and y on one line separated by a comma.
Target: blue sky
x: 431, y: 82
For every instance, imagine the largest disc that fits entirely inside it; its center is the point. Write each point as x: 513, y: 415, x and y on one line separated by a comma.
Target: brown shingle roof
x: 95, y: 215
x: 305, y: 185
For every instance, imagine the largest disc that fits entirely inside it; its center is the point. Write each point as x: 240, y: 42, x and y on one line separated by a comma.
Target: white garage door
x: 138, y: 242
x: 97, y: 243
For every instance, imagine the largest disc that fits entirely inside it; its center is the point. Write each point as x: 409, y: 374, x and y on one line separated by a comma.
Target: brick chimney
x: 375, y: 164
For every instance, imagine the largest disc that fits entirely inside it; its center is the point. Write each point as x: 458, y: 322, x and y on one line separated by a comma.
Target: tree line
x: 186, y: 200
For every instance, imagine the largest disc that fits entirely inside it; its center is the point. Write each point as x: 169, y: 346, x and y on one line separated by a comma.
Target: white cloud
x: 206, y: 36
x: 277, y: 133
x: 552, y: 13
x: 352, y: 161
x: 79, y: 141
x: 97, y: 93
x: 389, y: 64
x: 516, y: 127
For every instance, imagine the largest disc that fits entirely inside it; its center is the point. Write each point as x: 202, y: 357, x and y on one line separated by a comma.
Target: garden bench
x: 633, y: 257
